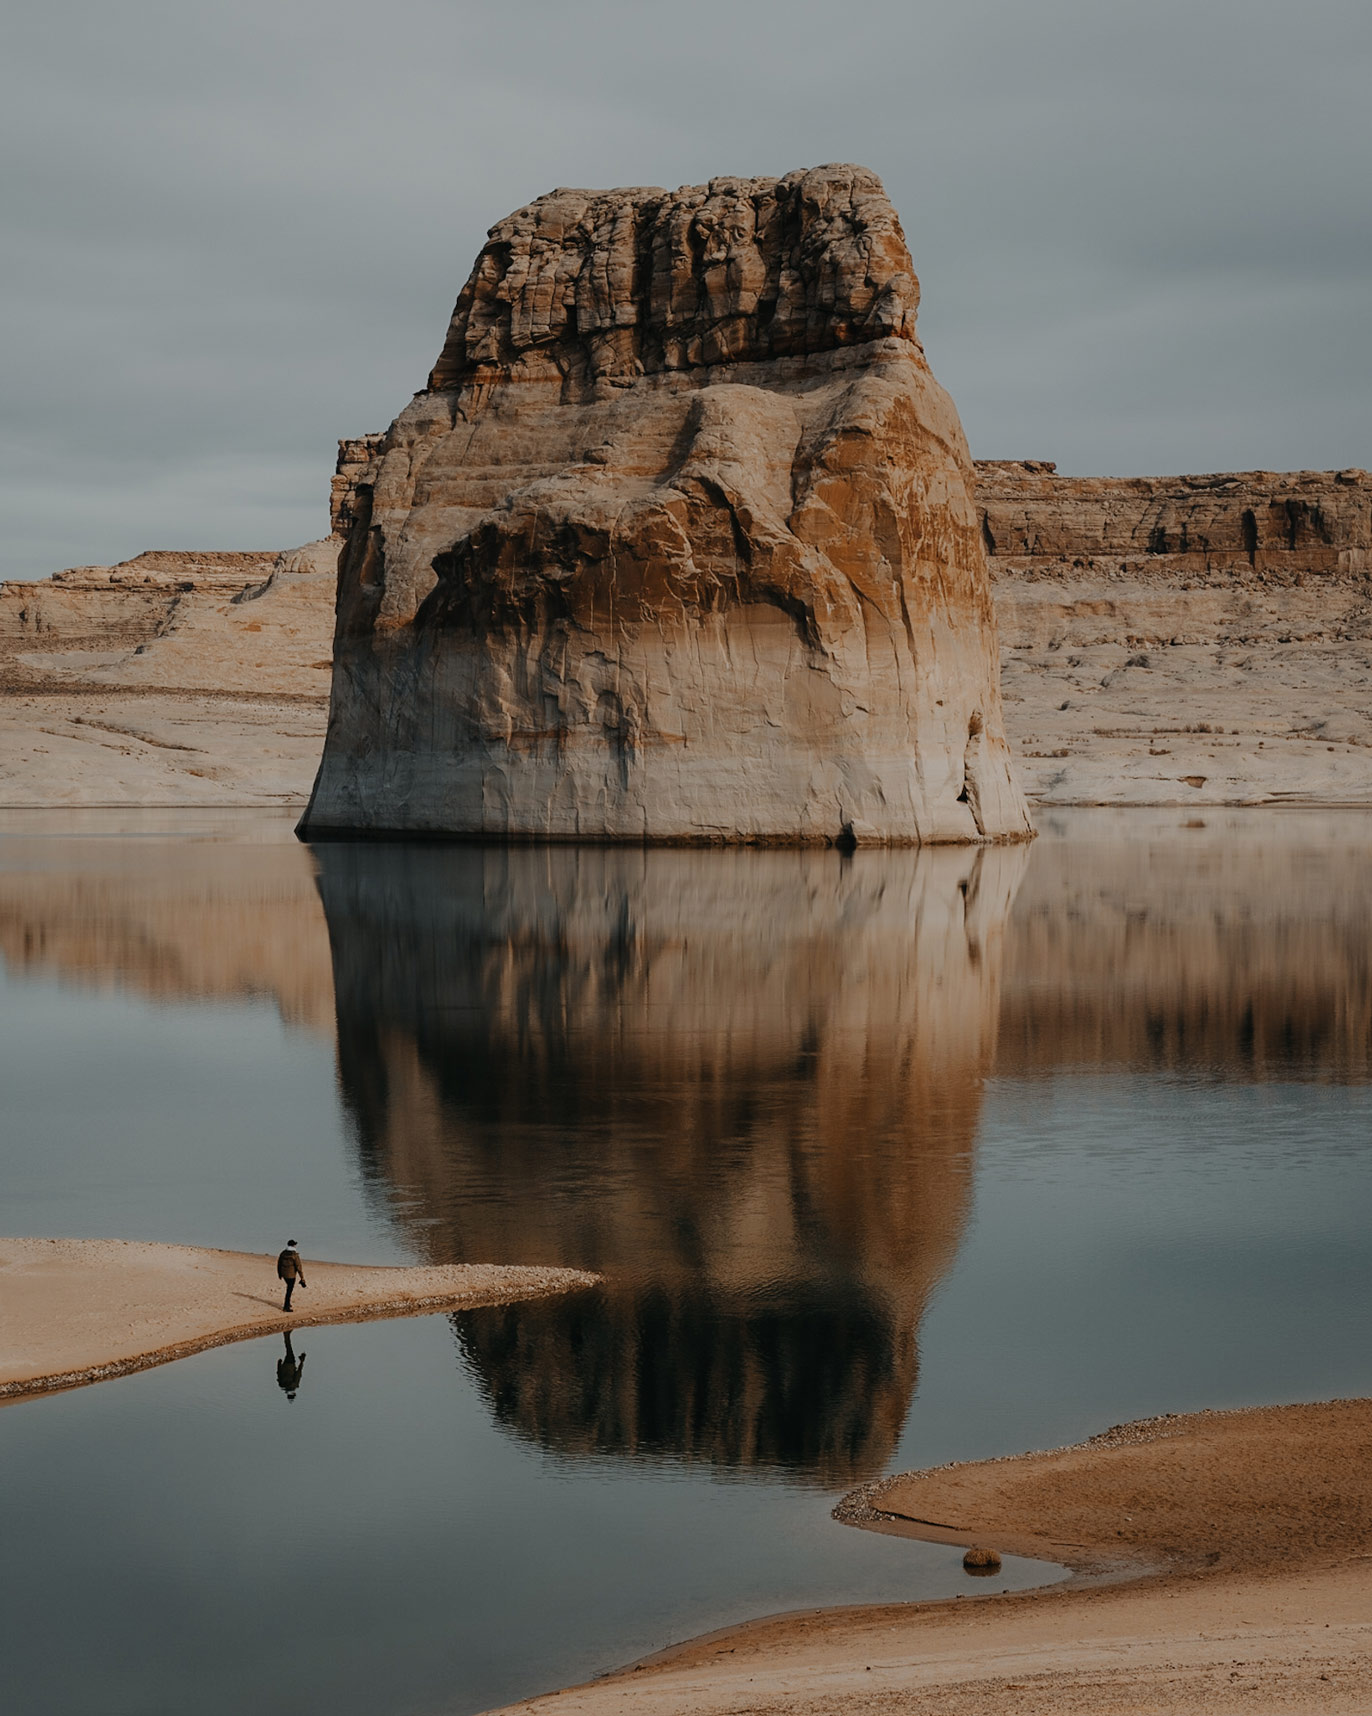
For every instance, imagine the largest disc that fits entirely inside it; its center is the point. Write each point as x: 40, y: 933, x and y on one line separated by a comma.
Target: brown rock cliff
x: 678, y: 544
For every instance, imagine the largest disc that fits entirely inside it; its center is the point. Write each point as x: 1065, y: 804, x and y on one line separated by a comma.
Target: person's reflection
x: 289, y: 1370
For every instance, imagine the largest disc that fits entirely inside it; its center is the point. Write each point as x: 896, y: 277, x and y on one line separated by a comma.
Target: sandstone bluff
x: 677, y: 544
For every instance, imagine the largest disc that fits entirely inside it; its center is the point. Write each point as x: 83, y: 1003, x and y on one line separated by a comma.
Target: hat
x: 292, y: 1242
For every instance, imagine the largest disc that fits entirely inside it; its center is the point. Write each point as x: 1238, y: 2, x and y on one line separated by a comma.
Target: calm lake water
x: 886, y: 1160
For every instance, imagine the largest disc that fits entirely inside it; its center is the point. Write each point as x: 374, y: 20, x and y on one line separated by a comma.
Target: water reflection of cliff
x: 168, y: 919
x: 1234, y: 945
x: 744, y: 1086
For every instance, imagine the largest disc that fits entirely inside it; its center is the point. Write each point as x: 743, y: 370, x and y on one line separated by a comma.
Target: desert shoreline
x: 1190, y: 642
x: 86, y: 1311
x: 1221, y: 1562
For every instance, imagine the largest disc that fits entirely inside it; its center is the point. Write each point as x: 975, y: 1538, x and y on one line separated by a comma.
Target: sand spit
x: 1259, y: 1490
x: 1224, y: 1566
x: 85, y: 1310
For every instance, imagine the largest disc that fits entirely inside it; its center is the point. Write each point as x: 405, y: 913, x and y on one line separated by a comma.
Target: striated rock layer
x: 1197, y: 640
x: 238, y: 624
x: 678, y: 543
x: 1242, y: 557
x: 176, y: 678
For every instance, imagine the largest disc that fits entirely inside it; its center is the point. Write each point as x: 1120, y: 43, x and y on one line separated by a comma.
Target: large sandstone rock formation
x: 677, y: 544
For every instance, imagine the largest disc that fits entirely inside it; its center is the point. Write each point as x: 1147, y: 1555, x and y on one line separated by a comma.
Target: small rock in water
x: 981, y: 1561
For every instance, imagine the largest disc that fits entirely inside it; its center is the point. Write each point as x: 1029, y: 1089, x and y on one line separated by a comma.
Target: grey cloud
x: 233, y: 233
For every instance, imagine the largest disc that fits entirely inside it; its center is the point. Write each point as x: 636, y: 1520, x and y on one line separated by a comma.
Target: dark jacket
x: 290, y: 1268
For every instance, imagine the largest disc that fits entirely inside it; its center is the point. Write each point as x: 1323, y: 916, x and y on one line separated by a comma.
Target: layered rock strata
x: 110, y: 611
x: 174, y: 678
x: 250, y: 624
x: 1241, y: 557
x: 1203, y: 639
x: 677, y: 544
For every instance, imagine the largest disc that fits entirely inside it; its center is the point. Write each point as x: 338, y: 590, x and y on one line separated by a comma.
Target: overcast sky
x: 233, y: 230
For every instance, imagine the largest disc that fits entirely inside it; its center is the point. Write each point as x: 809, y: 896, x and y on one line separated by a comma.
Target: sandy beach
x: 84, y: 1310
x: 1223, y: 1564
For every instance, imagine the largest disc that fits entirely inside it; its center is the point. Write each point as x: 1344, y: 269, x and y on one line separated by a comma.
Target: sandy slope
x: 1194, y: 725
x: 1260, y: 1524
x: 77, y: 748
x: 184, y: 685
x: 83, y: 1310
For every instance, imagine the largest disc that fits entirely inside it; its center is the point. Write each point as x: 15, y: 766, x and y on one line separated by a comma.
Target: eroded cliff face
x: 1199, y: 640
x: 234, y: 624
x: 745, y: 1087
x: 678, y: 543
x: 173, y: 679
x: 1235, y: 557
x: 91, y: 615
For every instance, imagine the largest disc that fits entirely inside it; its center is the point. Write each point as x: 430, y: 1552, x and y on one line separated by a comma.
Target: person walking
x: 290, y: 1269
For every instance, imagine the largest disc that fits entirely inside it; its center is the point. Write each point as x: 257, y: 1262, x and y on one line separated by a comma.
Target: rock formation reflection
x: 744, y: 1086
x: 1233, y: 945
x: 168, y: 918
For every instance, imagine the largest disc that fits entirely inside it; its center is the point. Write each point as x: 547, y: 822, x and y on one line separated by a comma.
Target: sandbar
x: 78, y: 1311
x: 1222, y: 1561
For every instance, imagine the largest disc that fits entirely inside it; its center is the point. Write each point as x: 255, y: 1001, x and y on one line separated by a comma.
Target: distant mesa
x: 678, y: 544
x: 1230, y: 529
x: 190, y: 623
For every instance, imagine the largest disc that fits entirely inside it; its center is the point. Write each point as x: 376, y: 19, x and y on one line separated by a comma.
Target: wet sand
x: 1223, y: 1562
x: 78, y: 1311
